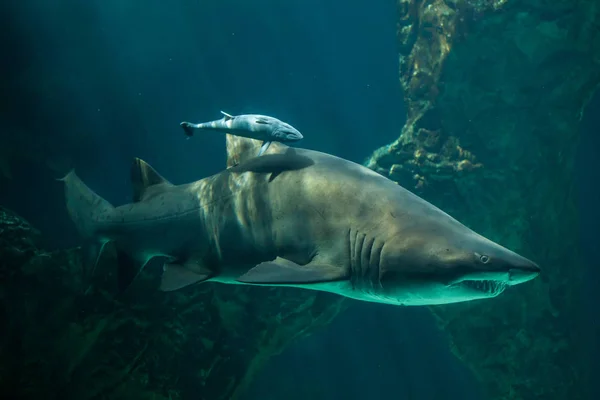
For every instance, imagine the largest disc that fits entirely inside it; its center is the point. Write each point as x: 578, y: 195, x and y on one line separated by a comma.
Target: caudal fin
x: 188, y: 128
x: 86, y: 209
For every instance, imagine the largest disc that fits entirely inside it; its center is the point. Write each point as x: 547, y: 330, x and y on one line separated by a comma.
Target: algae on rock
x: 495, y: 91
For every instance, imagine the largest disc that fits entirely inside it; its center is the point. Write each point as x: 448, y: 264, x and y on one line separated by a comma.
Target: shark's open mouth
x: 489, y: 287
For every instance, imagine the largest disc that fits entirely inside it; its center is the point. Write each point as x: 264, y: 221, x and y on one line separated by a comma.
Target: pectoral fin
x: 264, y: 148
x: 91, y: 252
x: 274, y: 163
x: 177, y: 276
x: 282, y: 271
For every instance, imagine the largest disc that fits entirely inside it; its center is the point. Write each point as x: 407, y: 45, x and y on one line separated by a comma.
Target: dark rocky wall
x: 495, y: 92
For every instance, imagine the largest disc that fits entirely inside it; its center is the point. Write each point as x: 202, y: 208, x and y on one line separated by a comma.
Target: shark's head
x: 446, y: 262
x: 278, y: 130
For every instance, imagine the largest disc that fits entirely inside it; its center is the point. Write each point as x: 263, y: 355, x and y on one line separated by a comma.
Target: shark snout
x: 523, y: 272
x: 511, y: 275
x: 497, y: 263
x: 495, y: 257
x: 519, y: 268
x: 288, y: 133
x: 294, y: 135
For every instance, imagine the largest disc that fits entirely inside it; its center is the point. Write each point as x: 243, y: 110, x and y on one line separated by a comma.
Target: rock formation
x: 495, y: 90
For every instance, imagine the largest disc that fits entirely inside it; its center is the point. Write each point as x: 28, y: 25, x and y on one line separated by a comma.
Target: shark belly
x: 413, y: 296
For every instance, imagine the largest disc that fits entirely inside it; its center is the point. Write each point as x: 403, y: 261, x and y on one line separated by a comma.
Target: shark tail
x: 86, y: 210
x: 188, y: 128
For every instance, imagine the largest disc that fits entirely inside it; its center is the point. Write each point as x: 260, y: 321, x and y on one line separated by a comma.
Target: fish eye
x: 484, y: 259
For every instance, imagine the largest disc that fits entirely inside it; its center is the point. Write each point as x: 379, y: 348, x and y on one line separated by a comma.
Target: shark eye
x: 484, y: 259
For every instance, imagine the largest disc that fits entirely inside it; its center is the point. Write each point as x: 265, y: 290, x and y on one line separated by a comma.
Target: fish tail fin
x: 188, y: 128
x: 86, y: 210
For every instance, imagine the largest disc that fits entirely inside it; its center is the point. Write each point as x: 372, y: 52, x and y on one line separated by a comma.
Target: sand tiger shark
x: 299, y: 218
x: 253, y: 126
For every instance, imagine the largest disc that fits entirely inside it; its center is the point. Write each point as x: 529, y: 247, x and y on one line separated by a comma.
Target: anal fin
x: 282, y: 271
x: 128, y: 269
x: 91, y: 253
x: 177, y: 276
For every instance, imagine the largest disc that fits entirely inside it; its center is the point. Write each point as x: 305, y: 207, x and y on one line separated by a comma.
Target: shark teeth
x: 493, y: 288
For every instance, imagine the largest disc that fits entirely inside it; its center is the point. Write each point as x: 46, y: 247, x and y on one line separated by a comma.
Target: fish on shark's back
x: 252, y: 126
x: 300, y: 218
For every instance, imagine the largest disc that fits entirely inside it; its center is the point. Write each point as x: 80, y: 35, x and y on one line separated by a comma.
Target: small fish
x: 252, y: 126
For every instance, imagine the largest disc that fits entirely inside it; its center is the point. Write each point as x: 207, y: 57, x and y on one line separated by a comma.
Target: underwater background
x: 499, y: 96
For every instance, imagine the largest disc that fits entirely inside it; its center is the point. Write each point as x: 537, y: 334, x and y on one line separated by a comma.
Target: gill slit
x: 355, y: 272
x: 365, y: 260
x: 364, y: 253
x: 350, y: 263
x: 375, y: 262
x: 358, y: 248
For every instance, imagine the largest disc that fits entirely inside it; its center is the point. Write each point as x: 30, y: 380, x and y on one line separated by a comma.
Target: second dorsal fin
x: 240, y: 149
x: 145, y: 180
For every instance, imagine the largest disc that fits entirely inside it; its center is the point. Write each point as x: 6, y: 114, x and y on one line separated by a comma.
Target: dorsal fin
x: 143, y: 178
x: 226, y: 116
x: 241, y: 149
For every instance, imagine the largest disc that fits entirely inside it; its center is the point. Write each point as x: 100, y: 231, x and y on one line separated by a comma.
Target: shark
x: 254, y: 126
x: 294, y: 218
